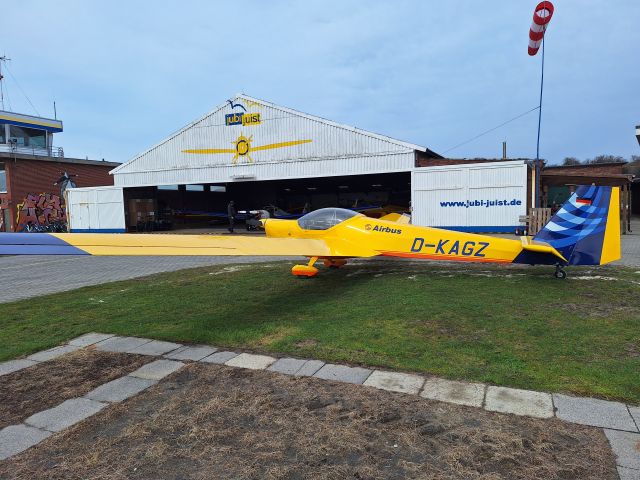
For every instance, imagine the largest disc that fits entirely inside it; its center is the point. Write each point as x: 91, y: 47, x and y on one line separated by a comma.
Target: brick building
x: 30, y: 167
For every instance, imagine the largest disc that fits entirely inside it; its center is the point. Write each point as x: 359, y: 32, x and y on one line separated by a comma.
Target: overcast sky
x: 126, y: 74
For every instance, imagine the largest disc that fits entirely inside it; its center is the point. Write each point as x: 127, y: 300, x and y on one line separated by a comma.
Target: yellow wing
x: 136, y: 244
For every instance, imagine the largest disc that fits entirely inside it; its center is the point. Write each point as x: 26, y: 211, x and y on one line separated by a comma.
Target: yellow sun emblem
x: 243, y: 147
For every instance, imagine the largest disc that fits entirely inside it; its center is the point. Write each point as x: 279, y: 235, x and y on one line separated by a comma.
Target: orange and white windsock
x: 541, y: 18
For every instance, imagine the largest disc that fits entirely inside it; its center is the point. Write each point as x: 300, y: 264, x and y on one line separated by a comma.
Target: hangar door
x: 478, y: 197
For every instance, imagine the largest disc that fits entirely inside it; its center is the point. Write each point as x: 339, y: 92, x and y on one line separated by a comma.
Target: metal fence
x: 51, y: 151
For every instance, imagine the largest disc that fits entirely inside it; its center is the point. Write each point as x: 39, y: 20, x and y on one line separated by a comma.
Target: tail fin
x: 586, y: 230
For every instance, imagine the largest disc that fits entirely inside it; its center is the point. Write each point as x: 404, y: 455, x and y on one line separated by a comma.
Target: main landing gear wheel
x: 306, y: 271
x: 334, y: 262
x: 560, y: 273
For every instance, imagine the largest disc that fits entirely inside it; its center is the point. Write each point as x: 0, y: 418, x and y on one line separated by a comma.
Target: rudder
x: 586, y: 230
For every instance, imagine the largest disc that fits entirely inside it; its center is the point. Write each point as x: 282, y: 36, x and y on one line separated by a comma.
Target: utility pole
x: 3, y: 59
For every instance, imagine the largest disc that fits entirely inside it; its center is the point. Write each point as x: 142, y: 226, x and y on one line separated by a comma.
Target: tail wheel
x: 560, y: 273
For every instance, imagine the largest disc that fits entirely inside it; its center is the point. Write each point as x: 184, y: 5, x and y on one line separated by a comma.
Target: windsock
x: 541, y: 18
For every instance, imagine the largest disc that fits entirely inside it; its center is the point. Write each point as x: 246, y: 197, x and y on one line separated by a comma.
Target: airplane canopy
x: 325, y: 218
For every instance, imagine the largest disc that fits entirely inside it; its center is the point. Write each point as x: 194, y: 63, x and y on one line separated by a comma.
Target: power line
x: 23, y: 93
x: 492, y: 129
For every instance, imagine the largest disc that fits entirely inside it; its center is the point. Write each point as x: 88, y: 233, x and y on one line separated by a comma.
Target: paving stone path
x: 30, y: 275
x: 620, y: 422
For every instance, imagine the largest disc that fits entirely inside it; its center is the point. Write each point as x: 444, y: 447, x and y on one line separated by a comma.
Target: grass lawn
x: 512, y: 326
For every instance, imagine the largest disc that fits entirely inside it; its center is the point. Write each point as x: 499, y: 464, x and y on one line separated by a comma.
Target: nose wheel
x: 560, y: 273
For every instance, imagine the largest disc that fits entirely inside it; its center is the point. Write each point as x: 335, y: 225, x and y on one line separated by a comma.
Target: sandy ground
x: 48, y: 384
x: 209, y: 421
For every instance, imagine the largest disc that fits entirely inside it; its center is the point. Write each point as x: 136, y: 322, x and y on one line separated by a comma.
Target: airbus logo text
x: 378, y: 228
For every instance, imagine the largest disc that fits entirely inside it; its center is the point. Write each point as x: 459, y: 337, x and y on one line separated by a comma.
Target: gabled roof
x: 334, y: 124
x: 399, y: 143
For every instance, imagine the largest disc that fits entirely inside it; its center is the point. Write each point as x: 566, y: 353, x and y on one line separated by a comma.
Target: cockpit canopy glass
x: 325, y: 218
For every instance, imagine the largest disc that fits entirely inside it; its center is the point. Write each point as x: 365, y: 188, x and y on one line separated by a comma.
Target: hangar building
x: 264, y: 155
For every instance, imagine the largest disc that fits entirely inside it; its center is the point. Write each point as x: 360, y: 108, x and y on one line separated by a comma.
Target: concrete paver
x: 219, y: 357
x: 191, y: 352
x: 253, y: 362
x: 635, y: 413
x: 450, y: 391
x: 156, y: 347
x: 17, y: 438
x: 90, y: 339
x: 15, y: 365
x: 288, y: 366
x: 342, y: 373
x: 120, y: 389
x: 626, y: 447
x: 519, y: 402
x: 395, y: 381
x: 309, y: 368
x: 121, y: 344
x: 628, y: 473
x: 64, y: 415
x: 594, y: 412
x: 157, y: 370
x: 296, y: 366
x: 52, y: 353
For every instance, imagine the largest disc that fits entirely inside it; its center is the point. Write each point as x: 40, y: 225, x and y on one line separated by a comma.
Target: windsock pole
x: 541, y: 18
x: 538, y: 169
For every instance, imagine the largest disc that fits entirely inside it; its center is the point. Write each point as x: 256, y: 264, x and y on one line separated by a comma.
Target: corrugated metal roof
x: 280, y: 135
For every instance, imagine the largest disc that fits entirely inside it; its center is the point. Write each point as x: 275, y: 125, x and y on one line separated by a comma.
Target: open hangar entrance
x: 202, y: 206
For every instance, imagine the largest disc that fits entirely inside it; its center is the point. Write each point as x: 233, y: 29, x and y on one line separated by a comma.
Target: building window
x: 167, y: 187
x: 3, y: 179
x: 194, y: 188
x: 3, y: 135
x: 28, y: 137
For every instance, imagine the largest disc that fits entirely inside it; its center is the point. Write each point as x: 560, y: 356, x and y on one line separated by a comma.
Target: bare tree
x: 571, y: 161
x: 606, y: 159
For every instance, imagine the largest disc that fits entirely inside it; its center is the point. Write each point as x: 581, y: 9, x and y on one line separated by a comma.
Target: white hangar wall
x: 479, y: 197
x: 249, y: 139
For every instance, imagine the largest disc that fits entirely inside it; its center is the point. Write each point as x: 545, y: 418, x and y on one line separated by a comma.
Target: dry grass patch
x: 50, y: 383
x: 209, y: 421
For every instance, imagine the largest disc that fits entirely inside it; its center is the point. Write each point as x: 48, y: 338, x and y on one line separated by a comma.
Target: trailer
x: 95, y: 210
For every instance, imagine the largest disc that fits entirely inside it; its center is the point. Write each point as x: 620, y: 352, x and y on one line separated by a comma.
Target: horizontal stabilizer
x: 539, y: 247
x: 400, y: 218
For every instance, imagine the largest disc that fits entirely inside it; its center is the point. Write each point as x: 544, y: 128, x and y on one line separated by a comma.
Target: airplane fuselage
x: 381, y: 237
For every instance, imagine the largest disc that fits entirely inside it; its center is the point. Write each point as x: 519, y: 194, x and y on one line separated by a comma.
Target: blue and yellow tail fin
x: 586, y: 230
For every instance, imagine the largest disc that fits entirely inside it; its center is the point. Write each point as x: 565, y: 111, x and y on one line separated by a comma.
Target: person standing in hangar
x: 231, y: 213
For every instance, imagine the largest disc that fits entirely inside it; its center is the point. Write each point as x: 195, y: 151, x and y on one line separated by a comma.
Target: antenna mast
x: 3, y: 59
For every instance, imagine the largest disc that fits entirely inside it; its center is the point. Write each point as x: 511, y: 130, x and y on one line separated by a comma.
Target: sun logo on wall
x: 243, y: 147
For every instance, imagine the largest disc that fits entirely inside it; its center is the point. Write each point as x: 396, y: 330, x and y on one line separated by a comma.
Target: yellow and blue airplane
x: 585, y: 231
